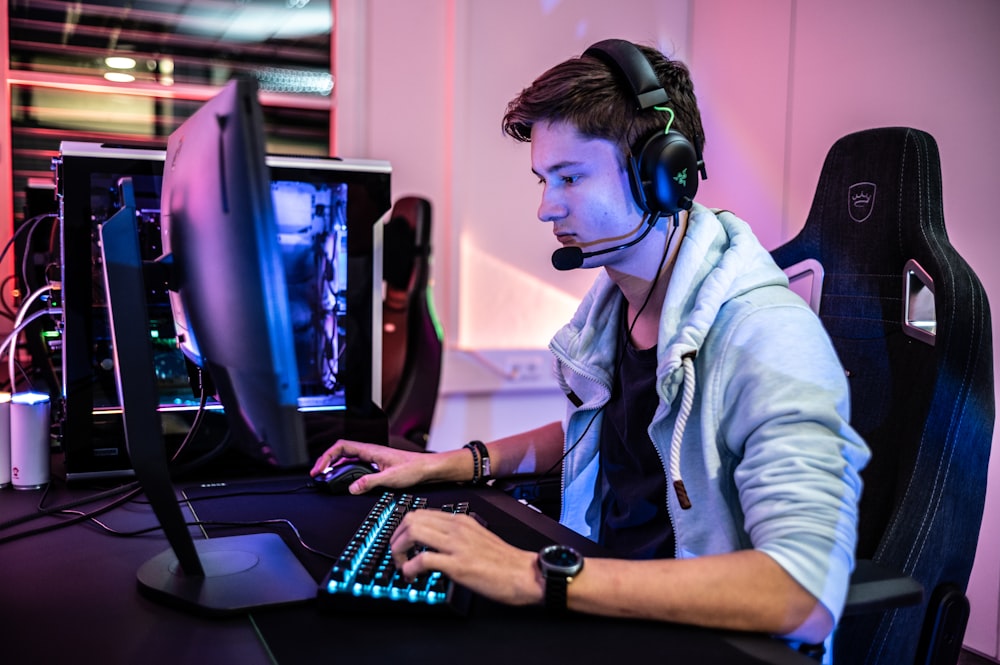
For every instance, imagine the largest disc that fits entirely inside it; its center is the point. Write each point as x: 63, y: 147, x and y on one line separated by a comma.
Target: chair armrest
x: 875, y: 588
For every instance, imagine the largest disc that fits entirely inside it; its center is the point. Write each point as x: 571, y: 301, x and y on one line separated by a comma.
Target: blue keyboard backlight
x: 365, y: 569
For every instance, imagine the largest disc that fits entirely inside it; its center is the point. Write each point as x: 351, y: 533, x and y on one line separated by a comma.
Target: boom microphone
x: 571, y: 258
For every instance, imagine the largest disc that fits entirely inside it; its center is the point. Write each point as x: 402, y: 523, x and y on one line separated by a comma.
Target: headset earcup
x: 667, y: 170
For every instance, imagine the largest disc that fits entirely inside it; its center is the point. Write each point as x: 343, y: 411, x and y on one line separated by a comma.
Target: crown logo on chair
x: 861, y: 200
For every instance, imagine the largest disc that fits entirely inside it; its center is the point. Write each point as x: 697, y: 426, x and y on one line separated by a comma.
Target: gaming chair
x: 911, y: 324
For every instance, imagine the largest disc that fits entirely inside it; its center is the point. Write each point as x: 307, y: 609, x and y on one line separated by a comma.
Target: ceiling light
x: 119, y: 77
x: 119, y: 62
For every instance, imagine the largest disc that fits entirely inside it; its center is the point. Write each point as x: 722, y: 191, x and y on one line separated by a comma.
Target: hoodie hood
x: 719, y: 260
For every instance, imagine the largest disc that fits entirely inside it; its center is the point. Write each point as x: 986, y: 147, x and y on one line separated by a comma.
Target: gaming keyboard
x: 365, y: 576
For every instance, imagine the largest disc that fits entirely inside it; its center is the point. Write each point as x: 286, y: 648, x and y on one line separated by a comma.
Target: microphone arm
x: 571, y: 258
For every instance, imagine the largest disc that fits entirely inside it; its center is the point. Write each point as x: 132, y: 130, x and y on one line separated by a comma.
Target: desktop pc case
x: 328, y: 212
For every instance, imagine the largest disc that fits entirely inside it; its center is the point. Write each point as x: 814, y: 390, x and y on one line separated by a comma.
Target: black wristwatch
x: 559, y: 565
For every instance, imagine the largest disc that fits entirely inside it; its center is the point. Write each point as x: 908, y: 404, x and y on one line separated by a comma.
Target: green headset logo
x: 681, y: 177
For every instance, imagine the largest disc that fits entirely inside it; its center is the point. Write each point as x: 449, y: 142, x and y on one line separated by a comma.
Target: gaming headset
x: 663, y: 172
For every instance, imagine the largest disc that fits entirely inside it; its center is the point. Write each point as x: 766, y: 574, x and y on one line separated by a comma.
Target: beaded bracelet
x: 476, y: 464
x: 481, y: 471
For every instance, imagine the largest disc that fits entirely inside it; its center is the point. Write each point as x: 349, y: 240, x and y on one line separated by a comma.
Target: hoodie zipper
x: 596, y: 409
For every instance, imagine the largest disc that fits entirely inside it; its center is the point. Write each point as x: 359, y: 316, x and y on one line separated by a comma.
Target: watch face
x: 561, y: 559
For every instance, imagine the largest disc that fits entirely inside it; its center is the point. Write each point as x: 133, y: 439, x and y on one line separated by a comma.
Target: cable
x: 133, y: 488
x: 18, y: 328
x: 8, y: 311
x: 29, y: 226
x: 213, y: 523
x: 645, y: 302
x: 179, y: 470
x: 30, y: 223
x: 199, y: 417
x: 48, y: 512
x: 76, y: 520
x: 80, y: 517
x: 27, y: 250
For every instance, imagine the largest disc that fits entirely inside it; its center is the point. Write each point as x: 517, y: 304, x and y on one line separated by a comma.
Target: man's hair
x: 585, y: 92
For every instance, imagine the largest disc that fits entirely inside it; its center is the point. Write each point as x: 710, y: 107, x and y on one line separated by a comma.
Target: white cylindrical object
x: 4, y: 439
x: 29, y: 440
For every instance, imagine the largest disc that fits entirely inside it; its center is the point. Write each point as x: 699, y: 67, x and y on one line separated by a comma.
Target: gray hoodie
x: 752, y: 425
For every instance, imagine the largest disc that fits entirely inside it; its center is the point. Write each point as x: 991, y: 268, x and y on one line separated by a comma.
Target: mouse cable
x: 208, y: 523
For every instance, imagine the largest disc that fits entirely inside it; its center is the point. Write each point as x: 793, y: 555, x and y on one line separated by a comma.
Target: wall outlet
x: 523, y: 368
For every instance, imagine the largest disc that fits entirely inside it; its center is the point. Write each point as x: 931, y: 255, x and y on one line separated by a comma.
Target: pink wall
x: 739, y: 61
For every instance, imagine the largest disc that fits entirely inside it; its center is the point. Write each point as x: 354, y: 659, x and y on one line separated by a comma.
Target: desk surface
x: 71, y: 595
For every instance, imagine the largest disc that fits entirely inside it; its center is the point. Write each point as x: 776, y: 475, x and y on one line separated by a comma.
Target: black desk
x: 70, y: 596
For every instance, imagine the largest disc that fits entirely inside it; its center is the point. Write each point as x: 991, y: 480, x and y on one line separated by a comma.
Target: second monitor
x: 328, y: 213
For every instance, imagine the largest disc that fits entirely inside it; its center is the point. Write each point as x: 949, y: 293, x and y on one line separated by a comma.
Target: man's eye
x: 564, y: 180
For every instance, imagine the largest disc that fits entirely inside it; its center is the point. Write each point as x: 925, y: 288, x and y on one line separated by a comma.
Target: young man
x: 706, y: 440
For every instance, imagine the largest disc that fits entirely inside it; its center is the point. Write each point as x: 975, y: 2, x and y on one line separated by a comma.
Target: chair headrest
x: 406, y: 242
x: 879, y: 199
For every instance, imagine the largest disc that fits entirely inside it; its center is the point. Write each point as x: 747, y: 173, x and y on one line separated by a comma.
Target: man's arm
x: 744, y: 590
x: 534, y: 451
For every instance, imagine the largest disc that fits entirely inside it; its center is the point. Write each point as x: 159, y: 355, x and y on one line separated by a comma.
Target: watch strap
x: 557, y: 573
x: 555, y: 592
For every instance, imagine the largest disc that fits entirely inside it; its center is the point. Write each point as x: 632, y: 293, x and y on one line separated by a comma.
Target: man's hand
x: 468, y: 553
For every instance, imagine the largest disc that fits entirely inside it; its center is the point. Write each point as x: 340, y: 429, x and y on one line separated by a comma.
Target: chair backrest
x: 911, y: 324
x: 412, y: 345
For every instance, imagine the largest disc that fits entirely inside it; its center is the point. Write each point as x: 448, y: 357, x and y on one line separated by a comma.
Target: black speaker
x: 664, y: 167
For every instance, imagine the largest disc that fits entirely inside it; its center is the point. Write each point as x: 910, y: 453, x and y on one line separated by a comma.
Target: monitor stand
x: 215, y: 576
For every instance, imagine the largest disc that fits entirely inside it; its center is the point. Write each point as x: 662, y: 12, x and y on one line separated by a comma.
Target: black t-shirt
x: 632, y: 481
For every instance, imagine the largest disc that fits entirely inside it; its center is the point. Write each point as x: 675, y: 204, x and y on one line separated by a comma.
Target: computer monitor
x: 237, y: 261
x: 229, y: 297
x: 231, y: 304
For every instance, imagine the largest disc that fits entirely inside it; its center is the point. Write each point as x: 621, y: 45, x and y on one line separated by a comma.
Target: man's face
x: 585, y: 191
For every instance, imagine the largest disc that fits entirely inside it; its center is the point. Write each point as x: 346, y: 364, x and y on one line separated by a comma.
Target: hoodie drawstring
x: 687, y: 404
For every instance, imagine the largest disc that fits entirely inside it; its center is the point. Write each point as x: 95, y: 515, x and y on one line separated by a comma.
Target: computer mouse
x: 336, y: 479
